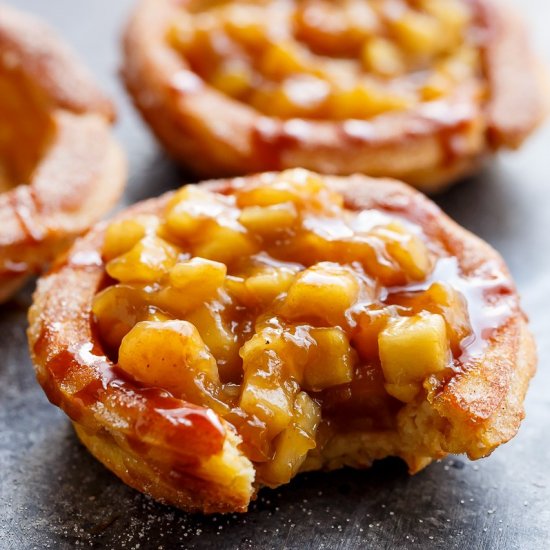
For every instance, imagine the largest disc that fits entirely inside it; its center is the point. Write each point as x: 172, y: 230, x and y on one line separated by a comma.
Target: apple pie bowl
x: 60, y: 168
x: 231, y: 334
x: 421, y: 90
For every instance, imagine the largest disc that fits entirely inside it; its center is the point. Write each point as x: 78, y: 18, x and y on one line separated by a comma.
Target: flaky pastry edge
x: 477, y: 411
x: 81, y: 174
x: 429, y: 147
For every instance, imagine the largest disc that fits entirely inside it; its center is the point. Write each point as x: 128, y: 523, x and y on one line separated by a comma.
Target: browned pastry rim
x: 80, y: 172
x: 138, y: 435
x: 429, y: 147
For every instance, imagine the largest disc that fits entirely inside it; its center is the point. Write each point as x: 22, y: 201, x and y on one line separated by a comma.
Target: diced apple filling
x: 190, y: 285
x: 122, y: 236
x: 370, y: 322
x: 332, y: 360
x: 294, y: 442
x: 148, y: 261
x: 119, y: 308
x: 219, y: 335
x: 327, y: 60
x: 189, y: 211
x: 224, y: 244
x: 383, y: 57
x: 408, y: 250
x: 198, y: 272
x: 411, y: 349
x: 266, y: 305
x: 443, y: 299
x: 325, y: 291
x: 269, y: 220
x: 303, y: 189
x: 266, y: 394
x: 171, y: 355
x: 267, y: 284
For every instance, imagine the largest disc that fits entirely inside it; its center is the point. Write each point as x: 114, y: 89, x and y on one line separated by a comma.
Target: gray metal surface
x: 53, y: 494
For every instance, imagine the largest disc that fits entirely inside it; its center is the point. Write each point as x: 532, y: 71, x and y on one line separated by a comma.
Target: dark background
x: 53, y: 494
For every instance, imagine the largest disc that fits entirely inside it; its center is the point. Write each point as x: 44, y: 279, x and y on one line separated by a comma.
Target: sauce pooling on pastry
x: 288, y: 314
x: 322, y: 59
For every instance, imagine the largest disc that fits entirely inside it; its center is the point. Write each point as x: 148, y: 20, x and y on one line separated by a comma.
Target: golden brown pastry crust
x: 81, y: 171
x: 429, y: 147
x: 135, y: 433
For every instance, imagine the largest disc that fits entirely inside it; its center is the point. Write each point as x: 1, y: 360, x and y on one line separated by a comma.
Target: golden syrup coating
x: 280, y: 309
x: 322, y: 59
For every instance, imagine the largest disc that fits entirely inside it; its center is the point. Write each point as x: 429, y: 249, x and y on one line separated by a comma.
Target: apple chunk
x: 293, y: 443
x: 269, y: 220
x: 148, y: 261
x: 264, y: 392
x: 332, y: 361
x: 411, y: 349
x: 324, y: 291
x: 171, y: 355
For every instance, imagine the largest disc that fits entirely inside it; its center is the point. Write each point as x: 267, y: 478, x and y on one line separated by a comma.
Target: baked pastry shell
x: 80, y: 170
x: 129, y: 429
x: 430, y: 146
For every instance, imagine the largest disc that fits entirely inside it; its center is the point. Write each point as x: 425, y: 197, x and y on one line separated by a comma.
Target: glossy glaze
x: 318, y: 243
x: 309, y: 60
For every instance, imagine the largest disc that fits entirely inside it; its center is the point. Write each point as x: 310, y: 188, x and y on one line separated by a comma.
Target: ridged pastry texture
x: 421, y: 91
x: 60, y: 168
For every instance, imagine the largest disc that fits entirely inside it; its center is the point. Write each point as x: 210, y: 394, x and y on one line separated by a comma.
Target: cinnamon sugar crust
x: 188, y: 456
x: 60, y: 168
x: 429, y: 144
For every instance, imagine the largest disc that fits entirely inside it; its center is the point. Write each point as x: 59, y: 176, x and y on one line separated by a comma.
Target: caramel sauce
x: 155, y: 416
x: 267, y: 304
x: 489, y: 296
x: 317, y: 61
